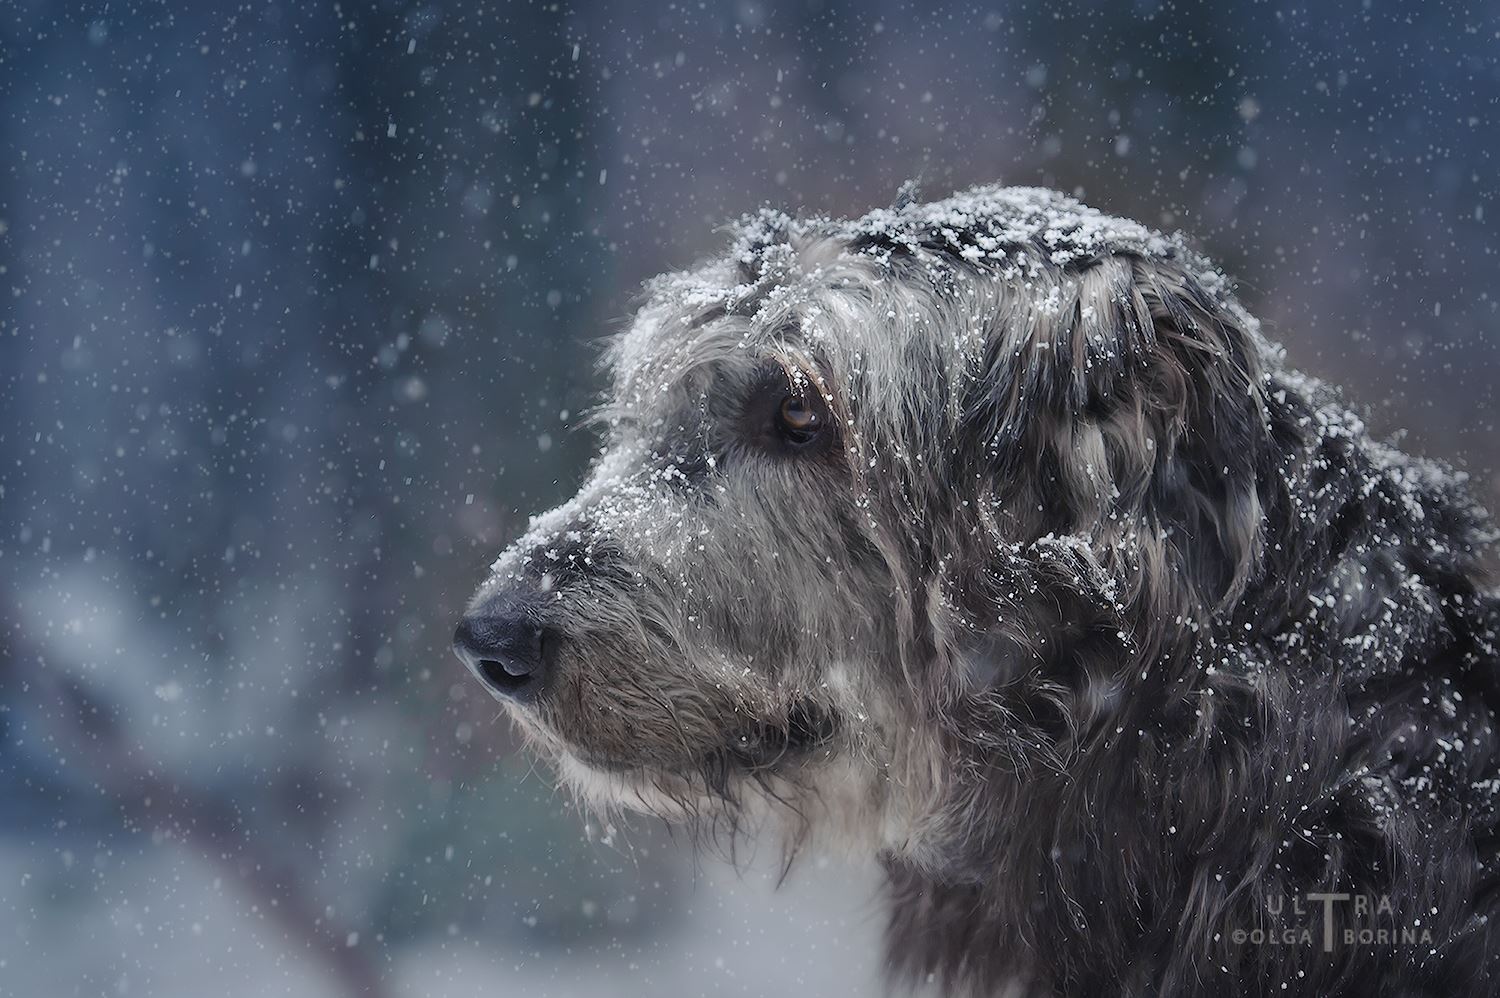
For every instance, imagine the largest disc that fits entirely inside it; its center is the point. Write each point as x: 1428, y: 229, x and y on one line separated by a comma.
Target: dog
x: 993, y: 538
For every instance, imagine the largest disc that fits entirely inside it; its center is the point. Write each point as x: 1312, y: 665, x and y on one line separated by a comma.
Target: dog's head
x: 862, y: 478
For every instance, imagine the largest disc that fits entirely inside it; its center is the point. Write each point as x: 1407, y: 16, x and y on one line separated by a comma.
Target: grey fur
x: 1100, y: 627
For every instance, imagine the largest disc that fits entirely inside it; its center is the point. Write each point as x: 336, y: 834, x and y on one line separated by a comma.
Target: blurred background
x: 298, y: 309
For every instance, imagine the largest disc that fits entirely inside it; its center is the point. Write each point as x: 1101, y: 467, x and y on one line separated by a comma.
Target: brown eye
x: 785, y: 414
x: 799, y: 420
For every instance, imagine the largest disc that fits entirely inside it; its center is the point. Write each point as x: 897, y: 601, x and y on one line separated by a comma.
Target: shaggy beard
x: 823, y: 803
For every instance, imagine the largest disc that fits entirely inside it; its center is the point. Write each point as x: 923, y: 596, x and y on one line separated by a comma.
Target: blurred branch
x: 149, y: 799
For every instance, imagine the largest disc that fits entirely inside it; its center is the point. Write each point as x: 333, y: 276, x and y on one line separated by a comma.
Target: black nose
x: 505, y: 649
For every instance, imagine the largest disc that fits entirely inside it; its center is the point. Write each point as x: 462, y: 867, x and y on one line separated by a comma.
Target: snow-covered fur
x: 1141, y: 668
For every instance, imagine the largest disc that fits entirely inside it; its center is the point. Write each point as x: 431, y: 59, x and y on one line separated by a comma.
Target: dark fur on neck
x: 1327, y: 728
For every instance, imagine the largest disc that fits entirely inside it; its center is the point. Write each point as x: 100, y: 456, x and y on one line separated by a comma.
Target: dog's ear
x: 1124, y: 403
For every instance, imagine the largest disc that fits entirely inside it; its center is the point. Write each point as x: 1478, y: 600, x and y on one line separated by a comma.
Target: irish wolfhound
x: 990, y: 536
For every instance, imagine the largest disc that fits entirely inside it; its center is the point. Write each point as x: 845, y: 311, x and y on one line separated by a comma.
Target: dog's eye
x: 786, y: 414
x: 799, y: 420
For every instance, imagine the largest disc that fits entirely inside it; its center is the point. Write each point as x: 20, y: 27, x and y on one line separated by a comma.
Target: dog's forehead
x: 687, y: 343
x: 783, y: 278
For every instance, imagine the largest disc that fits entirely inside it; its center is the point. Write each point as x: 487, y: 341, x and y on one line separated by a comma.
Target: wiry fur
x: 1102, y: 628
